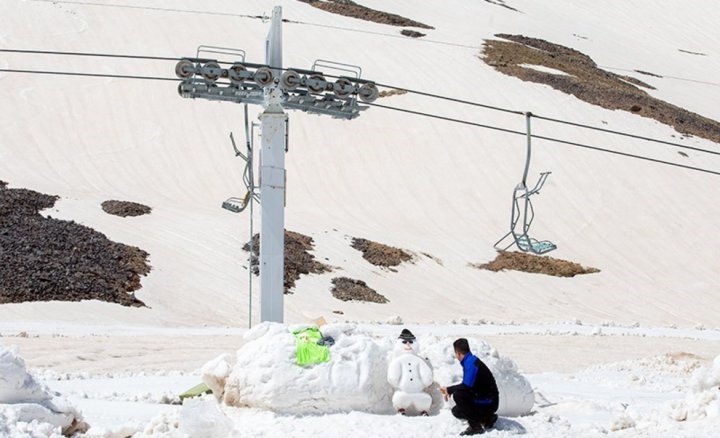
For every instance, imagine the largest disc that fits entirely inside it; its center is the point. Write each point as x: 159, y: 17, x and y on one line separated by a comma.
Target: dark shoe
x: 401, y: 412
x: 490, y: 421
x: 424, y: 414
x: 473, y: 430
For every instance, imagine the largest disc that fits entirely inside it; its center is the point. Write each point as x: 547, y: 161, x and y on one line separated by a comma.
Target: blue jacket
x: 478, y: 381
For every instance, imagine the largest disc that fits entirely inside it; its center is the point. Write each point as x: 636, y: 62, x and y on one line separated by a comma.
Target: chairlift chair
x: 523, y: 213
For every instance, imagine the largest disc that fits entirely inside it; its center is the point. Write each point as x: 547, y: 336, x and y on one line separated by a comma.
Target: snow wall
x: 267, y: 376
x: 28, y: 408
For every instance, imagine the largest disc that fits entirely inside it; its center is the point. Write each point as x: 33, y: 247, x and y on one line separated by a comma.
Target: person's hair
x: 461, y: 346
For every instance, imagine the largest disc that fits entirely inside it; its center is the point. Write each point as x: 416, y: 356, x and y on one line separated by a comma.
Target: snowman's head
x: 406, y: 343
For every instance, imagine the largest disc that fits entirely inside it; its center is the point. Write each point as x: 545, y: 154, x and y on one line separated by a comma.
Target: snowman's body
x: 409, y: 374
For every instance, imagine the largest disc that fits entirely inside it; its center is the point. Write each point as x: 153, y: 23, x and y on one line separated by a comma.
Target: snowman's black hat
x: 406, y: 334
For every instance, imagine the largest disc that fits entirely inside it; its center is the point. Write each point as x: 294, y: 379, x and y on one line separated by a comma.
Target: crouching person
x: 476, y: 397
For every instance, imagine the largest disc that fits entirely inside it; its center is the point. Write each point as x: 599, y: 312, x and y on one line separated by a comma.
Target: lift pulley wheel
x: 368, y: 92
x: 343, y: 88
x: 289, y: 80
x: 235, y: 73
x: 184, y: 69
x: 316, y: 83
x: 263, y: 76
x: 212, y: 71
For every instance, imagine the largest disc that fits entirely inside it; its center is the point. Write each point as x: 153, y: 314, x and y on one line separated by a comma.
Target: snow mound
x: 267, y: 376
x: 28, y: 408
x: 202, y: 418
x: 703, y: 399
x: 215, y: 373
x: 516, y: 394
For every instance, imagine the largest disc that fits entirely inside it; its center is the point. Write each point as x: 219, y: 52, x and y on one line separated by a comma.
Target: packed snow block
x: 24, y: 401
x: 517, y: 397
x: 268, y: 376
x: 202, y: 418
x: 215, y: 373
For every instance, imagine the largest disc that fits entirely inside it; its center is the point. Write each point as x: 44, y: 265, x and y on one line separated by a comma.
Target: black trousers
x: 476, y: 414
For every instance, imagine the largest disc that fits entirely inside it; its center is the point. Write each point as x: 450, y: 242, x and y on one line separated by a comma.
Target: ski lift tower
x: 275, y: 89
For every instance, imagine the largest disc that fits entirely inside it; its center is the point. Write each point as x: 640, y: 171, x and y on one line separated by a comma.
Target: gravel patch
x: 47, y: 259
x: 392, y: 92
x: 298, y: 260
x: 412, y: 33
x: 125, y: 208
x: 517, y: 261
x: 351, y: 9
x: 347, y: 289
x: 379, y: 254
x: 587, y: 82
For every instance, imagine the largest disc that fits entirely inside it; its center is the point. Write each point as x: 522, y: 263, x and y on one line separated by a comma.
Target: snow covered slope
x: 424, y: 185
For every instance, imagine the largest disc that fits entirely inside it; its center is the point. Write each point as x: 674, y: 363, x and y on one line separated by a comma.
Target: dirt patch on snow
x: 412, y: 33
x: 125, y: 208
x: 517, y: 261
x: 298, y: 260
x: 392, y: 92
x: 647, y: 73
x: 692, y: 53
x: 587, y: 82
x: 349, y: 8
x: 46, y: 259
x: 503, y: 4
x: 347, y: 289
x: 379, y: 254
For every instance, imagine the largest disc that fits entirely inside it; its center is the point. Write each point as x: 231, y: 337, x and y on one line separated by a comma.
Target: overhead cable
x: 541, y: 137
x: 94, y: 75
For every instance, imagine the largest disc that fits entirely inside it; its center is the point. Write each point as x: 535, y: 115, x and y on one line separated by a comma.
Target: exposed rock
x: 517, y: 261
x: 45, y: 259
x: 502, y: 3
x: 379, y: 254
x: 298, y: 260
x: 352, y: 9
x: 412, y: 33
x: 392, y: 92
x: 347, y: 289
x: 692, y: 53
x: 647, y: 73
x: 125, y: 208
x: 584, y: 80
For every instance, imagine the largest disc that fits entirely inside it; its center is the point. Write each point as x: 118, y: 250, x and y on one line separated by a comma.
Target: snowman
x: 409, y: 374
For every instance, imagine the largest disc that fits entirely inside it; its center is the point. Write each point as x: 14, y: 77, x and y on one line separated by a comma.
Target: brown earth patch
x: 392, y: 92
x: 379, y: 254
x: 589, y: 83
x: 298, y: 260
x: 517, y: 261
x: 46, y: 259
x: 647, y: 73
x: 692, y: 53
x: 125, y: 208
x: 349, y: 8
x: 347, y: 289
x: 502, y: 3
x: 412, y: 33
